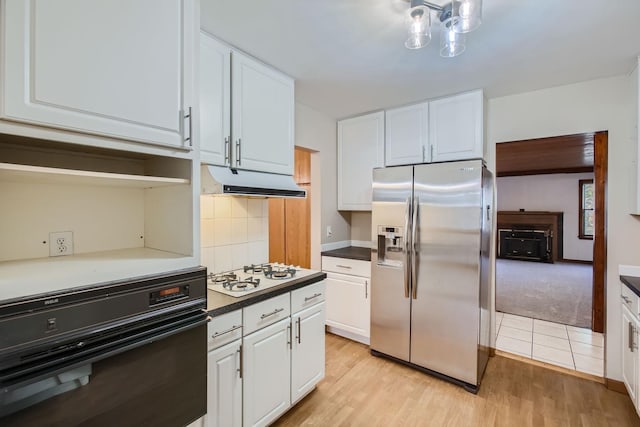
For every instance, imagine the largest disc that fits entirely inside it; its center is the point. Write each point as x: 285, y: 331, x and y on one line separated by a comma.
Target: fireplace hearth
x: 530, y: 235
x: 532, y: 245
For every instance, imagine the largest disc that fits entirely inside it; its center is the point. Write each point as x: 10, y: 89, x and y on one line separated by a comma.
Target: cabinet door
x: 307, y: 357
x: 267, y: 374
x: 263, y: 110
x: 456, y: 127
x: 115, y: 68
x: 407, y: 129
x: 348, y: 306
x: 224, y: 386
x: 630, y: 353
x: 215, y: 101
x: 360, y: 149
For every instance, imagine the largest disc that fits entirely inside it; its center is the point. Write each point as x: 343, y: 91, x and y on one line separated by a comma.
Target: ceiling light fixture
x: 456, y: 19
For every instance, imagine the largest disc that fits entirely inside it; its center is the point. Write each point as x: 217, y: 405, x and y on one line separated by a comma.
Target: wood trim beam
x: 600, y: 238
x: 585, y: 169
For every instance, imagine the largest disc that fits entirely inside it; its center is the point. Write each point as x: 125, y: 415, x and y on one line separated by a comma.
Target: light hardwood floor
x: 363, y: 390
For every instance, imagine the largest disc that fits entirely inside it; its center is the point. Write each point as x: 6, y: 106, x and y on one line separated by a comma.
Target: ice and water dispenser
x: 390, y: 246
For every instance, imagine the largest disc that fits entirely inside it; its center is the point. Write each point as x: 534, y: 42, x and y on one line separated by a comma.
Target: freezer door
x: 390, y: 301
x: 445, y: 299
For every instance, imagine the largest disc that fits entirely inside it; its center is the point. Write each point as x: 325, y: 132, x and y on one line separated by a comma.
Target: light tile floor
x: 554, y: 343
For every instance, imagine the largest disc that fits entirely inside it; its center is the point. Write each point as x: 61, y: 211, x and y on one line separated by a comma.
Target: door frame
x: 600, y: 171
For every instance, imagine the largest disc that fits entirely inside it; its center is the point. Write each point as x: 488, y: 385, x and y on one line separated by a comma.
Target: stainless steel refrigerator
x: 430, y: 268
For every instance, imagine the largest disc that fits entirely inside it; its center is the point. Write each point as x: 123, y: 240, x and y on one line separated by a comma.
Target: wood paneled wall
x: 290, y: 219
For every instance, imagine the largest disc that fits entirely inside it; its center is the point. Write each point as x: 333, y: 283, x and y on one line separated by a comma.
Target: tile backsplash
x: 234, y: 231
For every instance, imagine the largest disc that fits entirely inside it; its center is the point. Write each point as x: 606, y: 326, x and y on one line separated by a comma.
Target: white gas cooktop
x: 254, y: 278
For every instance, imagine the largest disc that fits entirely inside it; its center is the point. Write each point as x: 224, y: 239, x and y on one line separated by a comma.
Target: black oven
x: 123, y: 354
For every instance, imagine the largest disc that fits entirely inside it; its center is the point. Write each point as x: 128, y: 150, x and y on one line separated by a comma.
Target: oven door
x: 154, y: 375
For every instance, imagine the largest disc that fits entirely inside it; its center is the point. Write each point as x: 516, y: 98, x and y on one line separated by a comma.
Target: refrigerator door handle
x: 407, y: 247
x: 416, y: 247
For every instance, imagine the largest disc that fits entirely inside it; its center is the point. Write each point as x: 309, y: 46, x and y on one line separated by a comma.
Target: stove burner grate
x: 279, y: 272
x: 241, y: 285
x: 256, y: 268
x: 222, y: 277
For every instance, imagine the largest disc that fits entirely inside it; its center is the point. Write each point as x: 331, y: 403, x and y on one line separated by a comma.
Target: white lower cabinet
x: 224, y: 386
x: 307, y: 357
x: 267, y: 373
x: 630, y: 357
x: 262, y: 360
x: 630, y: 337
x: 348, y: 297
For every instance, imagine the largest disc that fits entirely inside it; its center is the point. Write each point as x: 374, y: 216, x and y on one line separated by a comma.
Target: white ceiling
x: 348, y: 56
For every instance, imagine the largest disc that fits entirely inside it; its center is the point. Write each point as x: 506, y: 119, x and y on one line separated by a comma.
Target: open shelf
x: 46, y: 175
x: 52, y: 274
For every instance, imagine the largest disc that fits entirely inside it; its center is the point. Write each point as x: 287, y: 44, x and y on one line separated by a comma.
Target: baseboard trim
x: 492, y: 352
x: 574, y: 261
x: 616, y: 385
x: 346, y: 334
x: 560, y: 369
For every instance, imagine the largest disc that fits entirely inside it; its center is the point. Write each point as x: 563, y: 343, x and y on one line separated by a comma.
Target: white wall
x: 604, y: 104
x: 361, y: 227
x: 317, y: 132
x: 234, y: 231
x: 554, y: 192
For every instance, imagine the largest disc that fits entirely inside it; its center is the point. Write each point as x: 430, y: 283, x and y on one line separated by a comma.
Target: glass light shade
x: 451, y: 43
x: 419, y: 26
x: 467, y: 15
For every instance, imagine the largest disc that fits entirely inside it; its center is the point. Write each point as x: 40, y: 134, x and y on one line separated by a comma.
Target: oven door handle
x: 86, y: 353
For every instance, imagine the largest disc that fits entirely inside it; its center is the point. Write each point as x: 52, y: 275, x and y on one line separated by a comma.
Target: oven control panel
x: 162, y: 296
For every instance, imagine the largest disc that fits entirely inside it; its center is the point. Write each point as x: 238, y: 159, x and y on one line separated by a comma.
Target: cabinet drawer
x: 307, y: 296
x: 354, y: 267
x: 630, y: 300
x: 265, y: 313
x: 224, y: 329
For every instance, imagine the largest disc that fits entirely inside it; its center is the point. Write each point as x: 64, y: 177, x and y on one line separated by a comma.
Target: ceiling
x: 348, y: 56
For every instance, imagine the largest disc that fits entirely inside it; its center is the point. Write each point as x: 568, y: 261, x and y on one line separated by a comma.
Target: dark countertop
x: 632, y: 283
x: 218, y: 303
x: 350, y: 252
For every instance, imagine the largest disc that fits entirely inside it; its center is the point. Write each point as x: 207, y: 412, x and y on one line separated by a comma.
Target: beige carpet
x: 559, y: 292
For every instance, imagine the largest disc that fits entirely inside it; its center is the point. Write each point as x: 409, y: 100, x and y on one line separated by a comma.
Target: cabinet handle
x: 238, y: 142
x: 240, y: 366
x: 307, y: 299
x: 188, y: 116
x: 626, y: 299
x: 424, y: 149
x: 276, y: 311
x: 630, y: 331
x: 343, y: 266
x: 366, y: 289
x: 227, y: 161
x: 299, y: 331
x: 431, y: 152
x: 233, y: 328
x: 289, y: 340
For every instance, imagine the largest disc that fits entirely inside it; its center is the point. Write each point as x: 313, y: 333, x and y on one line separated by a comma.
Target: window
x: 587, y: 205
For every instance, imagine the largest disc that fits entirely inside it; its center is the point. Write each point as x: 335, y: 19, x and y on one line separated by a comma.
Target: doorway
x: 290, y: 219
x: 551, y: 249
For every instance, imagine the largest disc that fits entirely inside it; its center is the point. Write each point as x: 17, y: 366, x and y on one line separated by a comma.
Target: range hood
x: 223, y: 180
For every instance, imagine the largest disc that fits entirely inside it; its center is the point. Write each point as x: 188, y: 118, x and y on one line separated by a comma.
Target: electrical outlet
x: 329, y: 231
x: 61, y: 243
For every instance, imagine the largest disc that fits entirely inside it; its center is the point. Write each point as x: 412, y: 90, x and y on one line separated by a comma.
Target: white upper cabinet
x: 246, y: 111
x: 215, y: 101
x: 456, y: 127
x: 360, y: 149
x: 111, y: 68
x: 407, y: 130
x: 263, y: 113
